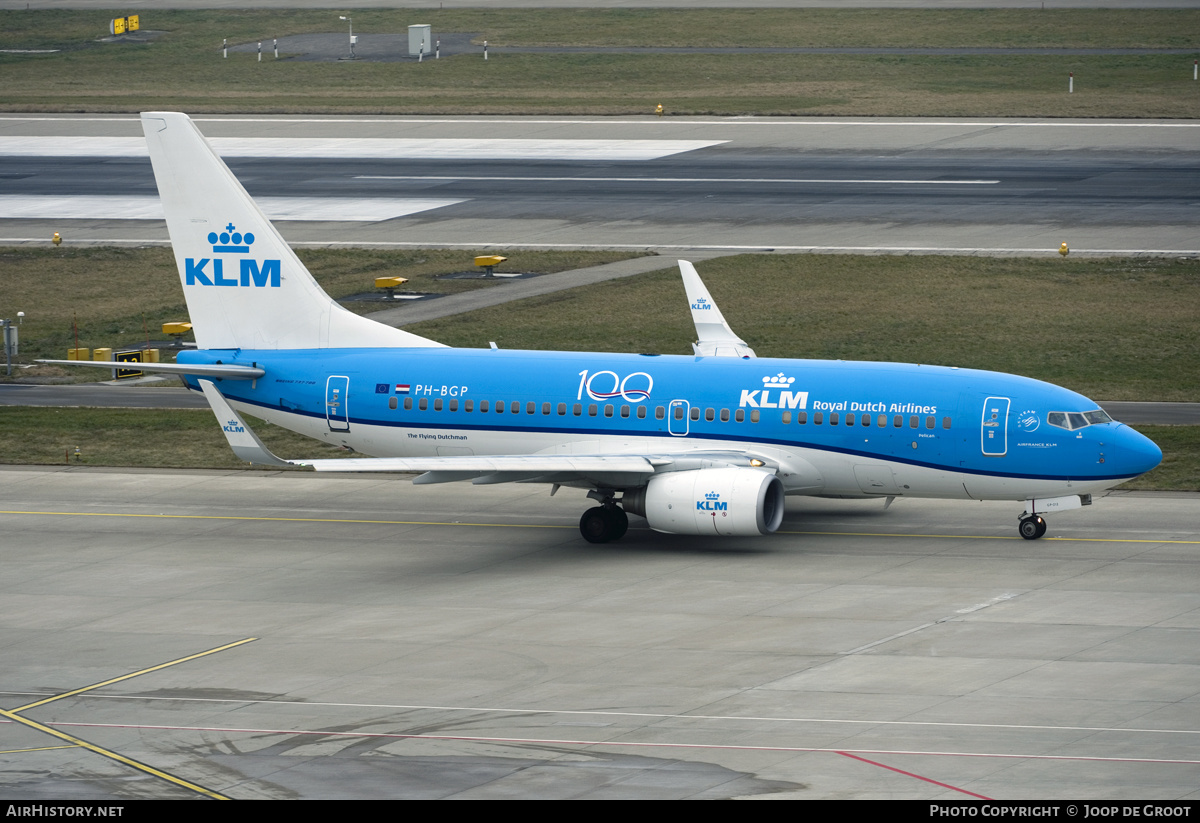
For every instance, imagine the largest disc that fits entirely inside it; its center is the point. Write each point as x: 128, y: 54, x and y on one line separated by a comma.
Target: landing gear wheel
x: 1031, y: 528
x: 595, y: 525
x: 619, y: 522
x: 603, y: 523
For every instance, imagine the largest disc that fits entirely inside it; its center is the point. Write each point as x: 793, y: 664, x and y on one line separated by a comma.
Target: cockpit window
x: 1077, y: 420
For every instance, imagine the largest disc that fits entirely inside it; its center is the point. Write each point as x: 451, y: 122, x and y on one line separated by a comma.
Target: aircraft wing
x: 605, y: 470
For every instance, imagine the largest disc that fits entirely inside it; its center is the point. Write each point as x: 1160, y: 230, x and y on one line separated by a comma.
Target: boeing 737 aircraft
x: 708, y: 444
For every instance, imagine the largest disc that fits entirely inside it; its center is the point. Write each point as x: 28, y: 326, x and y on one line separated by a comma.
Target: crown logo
x: 712, y: 496
x: 230, y: 241
x: 778, y: 381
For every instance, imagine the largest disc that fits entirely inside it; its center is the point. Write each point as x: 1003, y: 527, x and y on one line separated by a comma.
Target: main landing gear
x: 605, y: 522
x: 1032, y: 526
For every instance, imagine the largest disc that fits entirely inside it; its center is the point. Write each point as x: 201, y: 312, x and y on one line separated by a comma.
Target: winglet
x: 715, y: 338
x: 242, y: 439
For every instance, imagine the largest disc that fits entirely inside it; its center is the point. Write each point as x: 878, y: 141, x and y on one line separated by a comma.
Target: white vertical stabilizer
x: 714, y: 338
x: 245, y: 287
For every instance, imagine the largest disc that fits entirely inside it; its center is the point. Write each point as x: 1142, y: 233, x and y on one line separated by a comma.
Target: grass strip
x: 183, y: 68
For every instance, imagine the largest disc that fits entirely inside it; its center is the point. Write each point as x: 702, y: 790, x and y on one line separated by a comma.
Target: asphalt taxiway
x: 268, y: 635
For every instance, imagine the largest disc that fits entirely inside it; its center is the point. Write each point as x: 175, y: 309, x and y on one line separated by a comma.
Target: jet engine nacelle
x: 726, y: 501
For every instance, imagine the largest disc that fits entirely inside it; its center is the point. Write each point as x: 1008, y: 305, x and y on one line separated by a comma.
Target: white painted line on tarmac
x: 450, y: 177
x: 615, y: 714
x: 366, y: 148
x: 647, y: 121
x: 149, y: 207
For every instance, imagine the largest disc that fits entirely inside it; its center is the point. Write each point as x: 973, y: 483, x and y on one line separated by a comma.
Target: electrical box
x: 418, y: 34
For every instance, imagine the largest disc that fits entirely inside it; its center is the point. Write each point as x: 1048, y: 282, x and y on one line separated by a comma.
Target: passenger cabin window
x: 801, y: 418
x: 695, y: 413
x: 592, y: 410
x: 659, y: 412
x: 577, y: 410
x: 754, y: 416
x: 562, y: 409
x: 945, y: 422
x: 739, y: 415
x: 833, y: 418
x: 850, y: 418
x: 531, y: 408
x: 423, y: 404
x: 930, y: 422
x: 408, y: 404
x: 818, y: 418
x: 453, y: 405
x: 545, y: 409
x: 710, y: 415
x: 468, y: 405
x: 499, y: 407
x: 515, y: 408
x: 392, y: 403
x: 787, y: 416
x: 608, y: 410
x: 881, y: 421
x: 437, y: 404
x: 624, y: 411
x: 641, y: 413
x: 483, y: 405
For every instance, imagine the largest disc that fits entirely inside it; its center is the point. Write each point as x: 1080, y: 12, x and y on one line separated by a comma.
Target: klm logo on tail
x: 250, y: 272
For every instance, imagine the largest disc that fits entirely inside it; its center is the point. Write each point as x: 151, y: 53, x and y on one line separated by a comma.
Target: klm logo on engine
x: 711, y: 503
x: 250, y: 272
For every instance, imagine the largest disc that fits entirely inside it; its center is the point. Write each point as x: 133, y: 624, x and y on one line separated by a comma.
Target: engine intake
x: 728, y: 501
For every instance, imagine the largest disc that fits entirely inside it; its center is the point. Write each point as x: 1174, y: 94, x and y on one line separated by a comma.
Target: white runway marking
x: 112, y: 207
x: 366, y: 148
x: 450, y: 177
x: 646, y: 121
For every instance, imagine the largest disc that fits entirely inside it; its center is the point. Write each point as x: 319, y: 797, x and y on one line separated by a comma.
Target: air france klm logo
x: 250, y: 273
x: 233, y: 427
x: 779, y: 383
x: 711, y: 503
x: 702, y: 304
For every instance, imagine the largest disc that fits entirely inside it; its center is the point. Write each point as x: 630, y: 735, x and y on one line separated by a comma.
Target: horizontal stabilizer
x: 229, y: 372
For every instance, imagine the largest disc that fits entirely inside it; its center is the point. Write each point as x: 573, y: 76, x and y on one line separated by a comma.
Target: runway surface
x: 370, y: 638
x: 966, y: 186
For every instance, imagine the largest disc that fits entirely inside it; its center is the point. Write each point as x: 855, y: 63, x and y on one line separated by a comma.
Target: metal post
x: 276, y: 48
x: 485, y: 50
x: 225, y: 48
x: 437, y: 50
x: 421, y: 53
x: 260, y: 51
x: 7, y: 346
x: 1071, y: 84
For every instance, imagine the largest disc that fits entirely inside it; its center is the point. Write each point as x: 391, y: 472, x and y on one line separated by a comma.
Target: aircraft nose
x: 1139, y: 454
